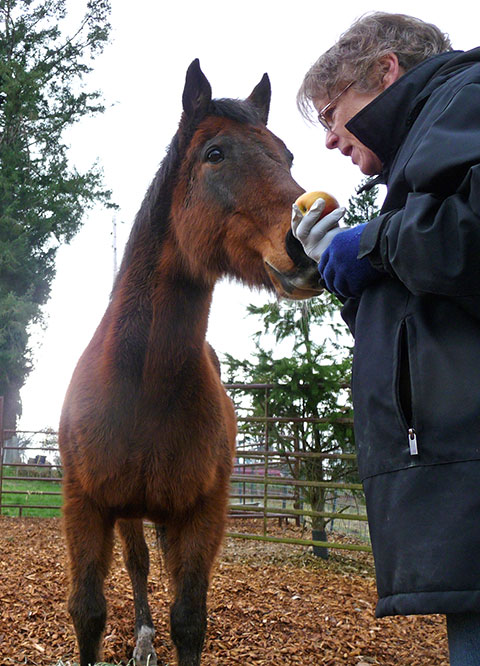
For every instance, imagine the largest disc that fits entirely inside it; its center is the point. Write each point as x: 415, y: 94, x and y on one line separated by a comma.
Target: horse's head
x: 231, y: 204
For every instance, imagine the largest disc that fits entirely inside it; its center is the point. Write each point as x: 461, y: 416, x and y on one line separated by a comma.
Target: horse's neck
x: 179, y: 323
x: 161, y: 321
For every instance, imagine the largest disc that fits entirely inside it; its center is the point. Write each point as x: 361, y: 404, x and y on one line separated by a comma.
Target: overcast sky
x: 141, y: 75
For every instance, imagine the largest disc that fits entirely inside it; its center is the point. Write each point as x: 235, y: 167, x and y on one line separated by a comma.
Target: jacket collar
x: 384, y: 122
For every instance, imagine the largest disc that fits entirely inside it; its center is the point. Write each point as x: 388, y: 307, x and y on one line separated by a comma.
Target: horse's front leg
x: 190, y: 547
x: 136, y: 557
x: 89, y: 534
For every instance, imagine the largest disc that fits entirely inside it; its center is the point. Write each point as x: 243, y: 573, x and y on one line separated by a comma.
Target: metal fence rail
x: 263, y: 487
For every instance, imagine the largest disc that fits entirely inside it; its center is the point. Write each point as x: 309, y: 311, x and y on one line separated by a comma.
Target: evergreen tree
x: 362, y: 207
x: 42, y: 198
x: 310, y: 381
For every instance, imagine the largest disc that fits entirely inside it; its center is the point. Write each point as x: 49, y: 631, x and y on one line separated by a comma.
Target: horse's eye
x: 214, y: 155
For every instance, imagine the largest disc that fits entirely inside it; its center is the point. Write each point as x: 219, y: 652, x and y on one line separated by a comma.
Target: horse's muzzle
x: 301, y: 283
x: 296, y: 252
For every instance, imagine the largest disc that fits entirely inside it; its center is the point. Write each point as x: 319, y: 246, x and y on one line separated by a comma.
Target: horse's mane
x: 154, y: 211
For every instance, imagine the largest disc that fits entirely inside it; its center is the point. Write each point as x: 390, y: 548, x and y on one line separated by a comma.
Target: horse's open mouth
x: 303, y: 283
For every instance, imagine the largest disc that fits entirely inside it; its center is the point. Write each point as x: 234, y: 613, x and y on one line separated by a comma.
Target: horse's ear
x: 260, y: 97
x: 197, y: 93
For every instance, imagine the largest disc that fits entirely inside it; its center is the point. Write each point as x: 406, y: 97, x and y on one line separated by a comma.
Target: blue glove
x: 344, y: 274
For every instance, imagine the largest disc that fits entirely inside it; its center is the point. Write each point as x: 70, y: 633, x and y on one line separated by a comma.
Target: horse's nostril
x: 296, y: 252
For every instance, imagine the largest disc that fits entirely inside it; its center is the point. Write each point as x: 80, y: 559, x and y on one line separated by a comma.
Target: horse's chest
x: 187, y: 457
x: 179, y: 473
x: 167, y: 451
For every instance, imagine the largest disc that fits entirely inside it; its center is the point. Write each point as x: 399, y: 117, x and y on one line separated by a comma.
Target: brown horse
x: 147, y: 429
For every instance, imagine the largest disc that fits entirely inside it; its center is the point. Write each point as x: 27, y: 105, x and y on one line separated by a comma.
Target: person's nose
x: 331, y: 140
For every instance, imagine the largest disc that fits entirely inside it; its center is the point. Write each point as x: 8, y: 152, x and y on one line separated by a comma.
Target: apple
x: 305, y: 201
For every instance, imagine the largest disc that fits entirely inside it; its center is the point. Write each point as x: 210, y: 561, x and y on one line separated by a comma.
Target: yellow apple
x: 305, y: 201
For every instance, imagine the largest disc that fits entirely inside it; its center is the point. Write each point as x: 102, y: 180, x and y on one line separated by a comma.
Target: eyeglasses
x: 322, y: 117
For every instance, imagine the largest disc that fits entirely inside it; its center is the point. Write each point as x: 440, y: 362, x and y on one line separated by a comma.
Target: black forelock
x: 239, y: 110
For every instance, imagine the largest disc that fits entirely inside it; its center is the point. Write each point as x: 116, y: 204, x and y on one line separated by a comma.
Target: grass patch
x: 29, y: 497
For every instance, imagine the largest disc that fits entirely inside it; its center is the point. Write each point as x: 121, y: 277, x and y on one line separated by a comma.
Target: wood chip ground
x: 269, y: 604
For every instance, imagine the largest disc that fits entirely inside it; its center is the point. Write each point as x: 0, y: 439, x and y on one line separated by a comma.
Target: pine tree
x: 363, y: 206
x: 310, y: 380
x: 42, y: 198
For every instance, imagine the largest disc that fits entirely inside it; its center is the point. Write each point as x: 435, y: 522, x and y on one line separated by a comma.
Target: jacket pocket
x: 405, y: 385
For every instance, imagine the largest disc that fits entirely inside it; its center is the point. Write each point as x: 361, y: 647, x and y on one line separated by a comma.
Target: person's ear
x: 391, y: 69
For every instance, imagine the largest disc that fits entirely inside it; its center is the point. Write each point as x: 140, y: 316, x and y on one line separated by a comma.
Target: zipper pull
x: 412, y: 442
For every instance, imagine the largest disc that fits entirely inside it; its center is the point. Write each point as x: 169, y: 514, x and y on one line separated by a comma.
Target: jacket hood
x: 382, y: 125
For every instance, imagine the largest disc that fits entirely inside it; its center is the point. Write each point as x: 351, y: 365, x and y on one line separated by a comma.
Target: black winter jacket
x: 416, y: 376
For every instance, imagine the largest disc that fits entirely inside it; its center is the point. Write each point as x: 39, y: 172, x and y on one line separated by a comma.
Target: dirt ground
x: 269, y: 604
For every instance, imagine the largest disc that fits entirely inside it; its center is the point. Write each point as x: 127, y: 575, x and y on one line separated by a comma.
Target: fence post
x: 265, y: 469
x: 296, y: 473
x: 1, y: 451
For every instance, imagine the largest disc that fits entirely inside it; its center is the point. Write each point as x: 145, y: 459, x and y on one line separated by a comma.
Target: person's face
x: 338, y: 114
x: 346, y: 104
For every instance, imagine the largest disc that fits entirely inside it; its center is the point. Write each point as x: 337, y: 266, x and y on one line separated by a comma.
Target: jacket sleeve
x: 432, y: 244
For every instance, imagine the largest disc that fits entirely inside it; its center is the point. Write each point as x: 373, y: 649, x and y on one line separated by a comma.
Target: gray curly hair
x: 357, y: 56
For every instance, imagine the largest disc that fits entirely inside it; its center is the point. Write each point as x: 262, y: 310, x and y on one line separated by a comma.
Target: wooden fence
x: 266, y: 483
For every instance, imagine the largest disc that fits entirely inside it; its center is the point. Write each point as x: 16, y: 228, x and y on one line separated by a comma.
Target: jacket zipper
x: 412, y: 442
x: 405, y: 390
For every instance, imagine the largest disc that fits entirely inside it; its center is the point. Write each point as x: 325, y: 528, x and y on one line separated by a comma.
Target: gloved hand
x: 316, y: 234
x: 344, y: 274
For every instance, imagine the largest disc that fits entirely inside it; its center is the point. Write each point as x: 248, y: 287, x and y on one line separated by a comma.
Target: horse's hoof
x: 144, y: 654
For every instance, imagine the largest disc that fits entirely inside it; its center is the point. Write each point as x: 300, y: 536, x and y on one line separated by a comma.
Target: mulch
x: 268, y: 604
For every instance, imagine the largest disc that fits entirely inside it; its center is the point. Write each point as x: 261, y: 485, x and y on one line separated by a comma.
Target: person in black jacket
x: 395, y: 98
